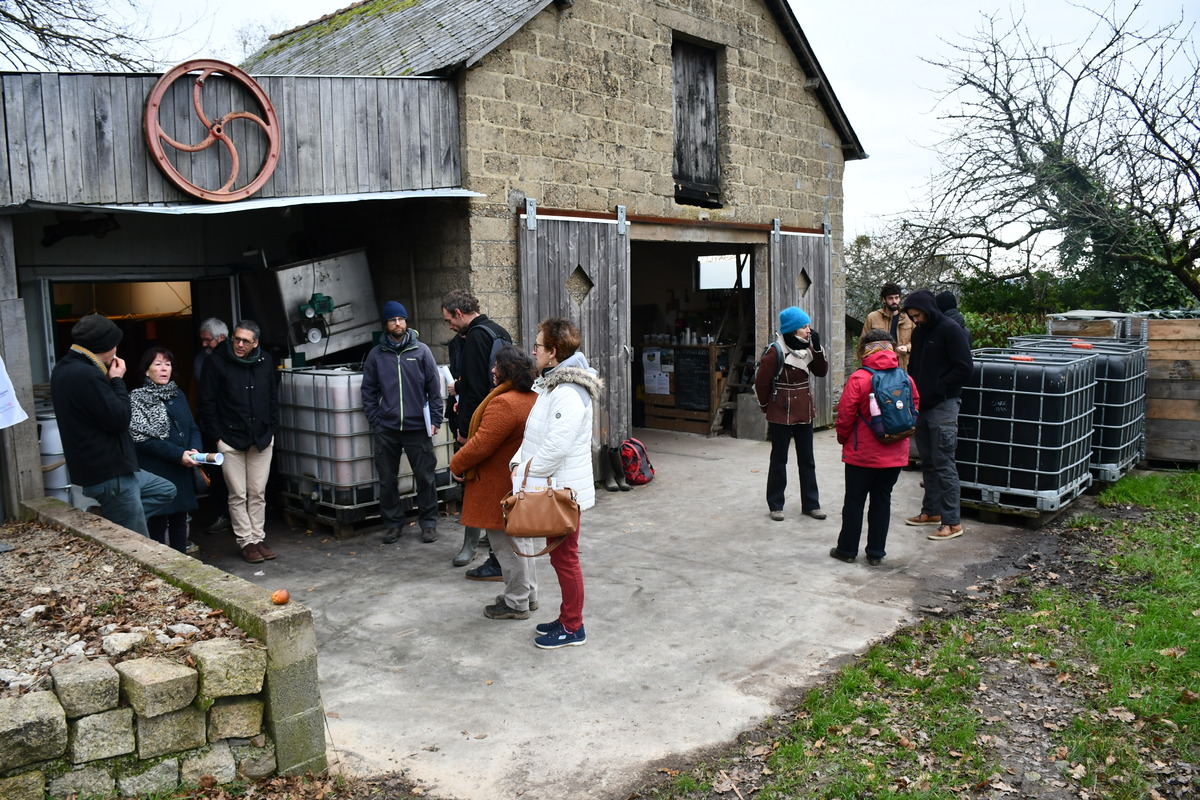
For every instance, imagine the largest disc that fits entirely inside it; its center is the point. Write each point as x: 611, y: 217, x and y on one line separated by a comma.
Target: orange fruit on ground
x: 280, y: 596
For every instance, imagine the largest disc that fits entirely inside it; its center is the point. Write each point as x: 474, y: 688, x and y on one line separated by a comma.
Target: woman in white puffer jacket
x: 558, y: 445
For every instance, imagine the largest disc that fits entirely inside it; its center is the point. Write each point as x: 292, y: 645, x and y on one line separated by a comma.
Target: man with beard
x: 889, y: 318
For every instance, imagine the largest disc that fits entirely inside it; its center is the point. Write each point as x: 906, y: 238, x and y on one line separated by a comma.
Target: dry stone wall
x: 146, y: 725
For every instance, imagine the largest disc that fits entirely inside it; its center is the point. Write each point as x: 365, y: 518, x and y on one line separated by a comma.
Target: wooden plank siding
x: 1173, y: 390
x: 79, y: 138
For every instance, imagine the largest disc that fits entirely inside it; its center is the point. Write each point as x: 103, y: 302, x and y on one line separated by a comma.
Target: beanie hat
x: 393, y: 309
x: 792, y: 319
x: 97, y: 333
x: 946, y: 301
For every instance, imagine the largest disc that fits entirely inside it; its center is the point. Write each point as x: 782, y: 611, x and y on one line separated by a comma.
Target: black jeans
x: 170, y: 529
x: 418, y: 446
x: 782, y: 437
x: 861, y: 483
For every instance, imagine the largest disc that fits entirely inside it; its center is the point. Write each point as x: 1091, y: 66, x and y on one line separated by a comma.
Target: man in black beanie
x: 91, y: 404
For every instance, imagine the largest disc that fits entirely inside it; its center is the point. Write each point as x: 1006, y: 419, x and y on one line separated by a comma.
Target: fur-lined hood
x: 574, y: 370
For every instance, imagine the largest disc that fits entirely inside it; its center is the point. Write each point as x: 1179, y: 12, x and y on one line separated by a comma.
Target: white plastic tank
x: 56, y: 482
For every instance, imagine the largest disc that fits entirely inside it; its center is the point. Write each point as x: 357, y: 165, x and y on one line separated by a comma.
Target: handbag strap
x: 551, y: 543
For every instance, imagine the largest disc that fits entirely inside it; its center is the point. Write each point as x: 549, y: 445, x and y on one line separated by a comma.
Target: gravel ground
x: 68, y: 599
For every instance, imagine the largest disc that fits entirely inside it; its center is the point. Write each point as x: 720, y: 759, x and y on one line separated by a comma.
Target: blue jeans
x: 129, y: 499
x: 937, y: 441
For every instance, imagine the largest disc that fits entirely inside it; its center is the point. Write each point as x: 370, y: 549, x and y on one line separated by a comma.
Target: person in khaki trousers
x: 239, y: 409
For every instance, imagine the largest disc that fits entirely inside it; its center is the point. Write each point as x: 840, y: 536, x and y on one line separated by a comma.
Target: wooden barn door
x: 800, y: 276
x: 578, y: 268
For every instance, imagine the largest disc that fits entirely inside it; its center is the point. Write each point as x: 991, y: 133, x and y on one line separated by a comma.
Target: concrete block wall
x: 576, y: 111
x: 147, y: 725
x: 233, y: 689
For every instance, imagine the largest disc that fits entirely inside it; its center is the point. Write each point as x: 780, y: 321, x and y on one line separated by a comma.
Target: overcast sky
x: 871, y: 51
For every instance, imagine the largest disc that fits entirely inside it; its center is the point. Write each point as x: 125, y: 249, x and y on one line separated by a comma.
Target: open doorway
x: 692, y: 325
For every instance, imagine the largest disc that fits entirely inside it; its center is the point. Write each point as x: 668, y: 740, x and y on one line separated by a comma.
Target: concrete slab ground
x: 703, y: 618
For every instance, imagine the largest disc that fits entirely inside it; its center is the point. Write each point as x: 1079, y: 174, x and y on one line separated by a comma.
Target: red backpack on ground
x: 638, y: 470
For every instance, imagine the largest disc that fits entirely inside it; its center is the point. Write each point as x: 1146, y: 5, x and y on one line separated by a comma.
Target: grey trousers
x: 937, y: 441
x: 520, y: 574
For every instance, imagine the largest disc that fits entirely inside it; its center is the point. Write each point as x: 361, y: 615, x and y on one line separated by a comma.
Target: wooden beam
x: 20, y: 470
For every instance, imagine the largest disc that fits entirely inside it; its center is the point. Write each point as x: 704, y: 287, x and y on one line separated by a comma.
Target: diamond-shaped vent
x: 803, y: 282
x: 579, y: 285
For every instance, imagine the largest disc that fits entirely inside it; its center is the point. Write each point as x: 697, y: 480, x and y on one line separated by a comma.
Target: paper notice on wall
x: 10, y: 410
x: 658, y: 383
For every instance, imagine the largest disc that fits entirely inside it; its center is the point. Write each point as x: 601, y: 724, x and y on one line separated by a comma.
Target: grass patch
x: 1165, y: 491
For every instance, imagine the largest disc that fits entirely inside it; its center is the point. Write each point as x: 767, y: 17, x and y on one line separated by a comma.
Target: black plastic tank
x: 1118, y: 440
x: 1025, y: 429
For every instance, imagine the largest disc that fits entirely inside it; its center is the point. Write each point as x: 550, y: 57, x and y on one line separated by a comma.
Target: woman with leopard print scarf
x: 165, y: 436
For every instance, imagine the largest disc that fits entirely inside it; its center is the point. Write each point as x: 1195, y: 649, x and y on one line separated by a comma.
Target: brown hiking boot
x: 265, y: 551
x: 946, y: 532
x: 923, y: 519
x: 251, y: 554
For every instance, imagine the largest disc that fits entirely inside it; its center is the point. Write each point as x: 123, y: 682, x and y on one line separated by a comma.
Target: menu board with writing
x: 693, y: 379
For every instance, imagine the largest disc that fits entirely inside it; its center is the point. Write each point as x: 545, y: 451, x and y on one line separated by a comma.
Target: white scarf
x: 795, y: 358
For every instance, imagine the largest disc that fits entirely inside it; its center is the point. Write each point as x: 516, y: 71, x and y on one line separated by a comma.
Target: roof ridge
x: 319, y: 19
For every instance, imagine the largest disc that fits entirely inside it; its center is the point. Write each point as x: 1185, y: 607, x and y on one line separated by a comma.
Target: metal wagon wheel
x: 155, y: 136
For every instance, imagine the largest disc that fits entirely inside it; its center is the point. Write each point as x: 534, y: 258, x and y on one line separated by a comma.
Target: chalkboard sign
x: 693, y: 379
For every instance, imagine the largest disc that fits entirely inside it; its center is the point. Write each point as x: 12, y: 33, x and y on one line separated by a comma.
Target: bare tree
x: 896, y: 254
x: 1086, y: 152
x: 73, y: 35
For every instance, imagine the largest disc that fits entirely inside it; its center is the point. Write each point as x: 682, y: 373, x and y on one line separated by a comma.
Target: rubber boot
x: 606, y: 471
x: 470, y: 542
x: 618, y: 469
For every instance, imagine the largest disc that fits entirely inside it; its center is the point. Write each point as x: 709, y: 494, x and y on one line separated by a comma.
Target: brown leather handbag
x: 550, y: 513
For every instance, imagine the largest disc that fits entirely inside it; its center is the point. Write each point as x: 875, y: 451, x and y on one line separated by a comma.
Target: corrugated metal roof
x: 394, y: 37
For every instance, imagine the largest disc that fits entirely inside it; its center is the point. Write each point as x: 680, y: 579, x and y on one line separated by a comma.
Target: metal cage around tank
x: 324, y: 450
x: 1119, y: 436
x: 1025, y: 430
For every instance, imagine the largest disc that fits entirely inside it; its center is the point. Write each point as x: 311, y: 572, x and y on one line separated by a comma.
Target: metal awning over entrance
x: 253, y: 204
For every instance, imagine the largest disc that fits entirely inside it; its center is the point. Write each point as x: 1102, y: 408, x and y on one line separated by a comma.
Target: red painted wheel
x: 156, y: 137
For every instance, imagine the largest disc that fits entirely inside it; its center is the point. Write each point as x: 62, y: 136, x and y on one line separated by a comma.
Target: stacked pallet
x: 1173, y: 390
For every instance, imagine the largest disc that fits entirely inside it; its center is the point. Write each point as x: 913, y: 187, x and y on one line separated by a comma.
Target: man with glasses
x: 239, y: 408
x: 402, y: 398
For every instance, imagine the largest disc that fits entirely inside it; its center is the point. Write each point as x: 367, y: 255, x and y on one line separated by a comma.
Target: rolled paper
x: 209, y: 458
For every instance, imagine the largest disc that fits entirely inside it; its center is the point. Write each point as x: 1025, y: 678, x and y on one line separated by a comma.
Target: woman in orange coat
x: 496, y: 430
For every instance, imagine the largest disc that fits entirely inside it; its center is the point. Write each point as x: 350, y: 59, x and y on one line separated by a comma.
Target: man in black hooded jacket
x: 940, y: 365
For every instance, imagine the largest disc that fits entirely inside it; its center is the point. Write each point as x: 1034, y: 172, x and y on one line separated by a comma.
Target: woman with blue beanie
x: 782, y: 385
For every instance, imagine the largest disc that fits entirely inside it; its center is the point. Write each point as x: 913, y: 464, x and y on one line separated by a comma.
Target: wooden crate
x: 1106, y: 327
x: 1173, y: 390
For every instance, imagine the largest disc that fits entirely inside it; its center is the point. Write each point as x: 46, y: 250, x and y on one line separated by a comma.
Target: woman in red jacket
x: 872, y: 466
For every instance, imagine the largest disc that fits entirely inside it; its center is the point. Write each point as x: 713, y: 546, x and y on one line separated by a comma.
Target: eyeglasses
x: 395, y: 319
x: 240, y: 340
x: 538, y: 346
x: 207, y: 339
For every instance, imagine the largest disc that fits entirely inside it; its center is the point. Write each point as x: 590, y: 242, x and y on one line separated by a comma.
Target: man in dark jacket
x: 402, y: 397
x: 239, y: 410
x: 947, y: 303
x: 481, y: 338
x: 91, y: 405
x: 940, y: 365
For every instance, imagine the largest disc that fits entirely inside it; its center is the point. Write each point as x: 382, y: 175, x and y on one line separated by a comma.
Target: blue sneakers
x: 561, y: 638
x: 544, y: 628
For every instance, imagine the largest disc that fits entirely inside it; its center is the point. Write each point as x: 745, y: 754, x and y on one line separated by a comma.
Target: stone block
x: 300, y: 742
x: 161, y: 778
x: 83, y: 782
x: 235, y: 717
x: 229, y: 668
x: 216, y: 761
x: 171, y: 732
x: 33, y: 727
x: 155, y: 686
x: 27, y: 786
x: 750, y: 422
x: 103, y: 735
x: 294, y: 689
x: 254, y: 763
x: 86, y: 687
